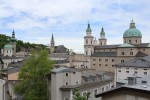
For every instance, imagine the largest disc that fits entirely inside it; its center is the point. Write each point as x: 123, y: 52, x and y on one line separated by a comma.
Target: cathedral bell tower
x: 88, y: 42
x: 102, y: 40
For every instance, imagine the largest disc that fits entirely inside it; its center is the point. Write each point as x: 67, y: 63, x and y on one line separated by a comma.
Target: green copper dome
x: 88, y: 28
x: 132, y: 31
x: 8, y: 46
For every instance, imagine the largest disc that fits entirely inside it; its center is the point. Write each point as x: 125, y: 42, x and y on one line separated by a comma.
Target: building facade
x: 64, y: 80
x: 105, y: 56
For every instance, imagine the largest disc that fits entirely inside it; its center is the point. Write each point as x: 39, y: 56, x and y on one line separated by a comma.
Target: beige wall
x: 134, y: 40
x: 126, y: 95
x: 103, y: 63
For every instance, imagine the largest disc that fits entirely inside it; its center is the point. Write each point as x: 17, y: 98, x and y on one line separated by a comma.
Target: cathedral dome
x: 132, y: 31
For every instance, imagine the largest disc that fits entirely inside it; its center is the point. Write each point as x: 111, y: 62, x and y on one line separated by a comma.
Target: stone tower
x: 88, y: 42
x: 13, y: 42
x: 132, y: 35
x: 52, y: 47
x: 102, y: 40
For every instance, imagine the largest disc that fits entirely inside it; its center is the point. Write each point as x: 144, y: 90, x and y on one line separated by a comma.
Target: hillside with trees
x: 20, y: 45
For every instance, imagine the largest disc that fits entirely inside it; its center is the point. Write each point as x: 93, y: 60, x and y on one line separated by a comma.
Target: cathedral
x: 103, y: 56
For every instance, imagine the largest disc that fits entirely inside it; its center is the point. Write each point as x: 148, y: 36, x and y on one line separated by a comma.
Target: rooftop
x: 137, y: 62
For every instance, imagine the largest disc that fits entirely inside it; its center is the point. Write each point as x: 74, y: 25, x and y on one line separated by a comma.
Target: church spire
x: 52, y: 41
x: 132, y: 24
x: 13, y: 34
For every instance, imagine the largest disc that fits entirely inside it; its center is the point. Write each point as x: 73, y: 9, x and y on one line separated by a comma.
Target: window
x: 94, y: 64
x: 129, y: 41
x: 95, y: 91
x: 102, y: 89
x: 107, y: 88
x: 77, y: 82
x: 136, y: 41
x: 131, y: 53
x: 94, y: 59
x: 106, y: 65
x: 145, y: 69
x: 66, y: 83
x: 144, y: 82
x: 135, y: 69
x: 113, y: 60
x: 145, y: 73
x: 66, y: 74
x: 127, y: 71
x: 99, y: 64
x: 127, y: 68
x: 119, y: 70
x: 86, y: 41
x: 122, y: 53
x: 122, y: 61
x: 91, y: 41
x: 100, y: 60
x: 143, y: 49
x: 106, y: 60
x: 135, y: 72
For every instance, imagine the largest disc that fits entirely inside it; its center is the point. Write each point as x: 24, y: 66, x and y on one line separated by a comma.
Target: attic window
x: 144, y: 82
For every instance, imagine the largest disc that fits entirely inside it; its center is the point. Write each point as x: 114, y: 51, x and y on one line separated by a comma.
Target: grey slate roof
x: 14, y: 67
x: 137, y: 62
x: 141, y: 54
x: 61, y: 49
x: 107, y: 46
x: 142, y: 45
x: 64, y: 69
x: 104, y: 54
x: 61, y: 61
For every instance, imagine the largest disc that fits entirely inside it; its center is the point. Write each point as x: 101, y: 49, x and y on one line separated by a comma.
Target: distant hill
x: 20, y: 45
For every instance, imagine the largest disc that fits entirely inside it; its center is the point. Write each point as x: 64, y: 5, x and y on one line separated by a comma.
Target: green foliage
x: 20, y: 44
x: 78, y: 96
x: 33, y: 82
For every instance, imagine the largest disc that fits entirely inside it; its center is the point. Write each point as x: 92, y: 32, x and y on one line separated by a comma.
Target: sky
x: 34, y: 21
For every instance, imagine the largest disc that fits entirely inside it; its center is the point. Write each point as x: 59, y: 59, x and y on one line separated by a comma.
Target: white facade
x: 2, y: 89
x: 64, y: 80
x: 122, y: 73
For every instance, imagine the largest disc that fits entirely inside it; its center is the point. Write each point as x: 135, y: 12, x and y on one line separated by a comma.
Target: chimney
x: 131, y: 80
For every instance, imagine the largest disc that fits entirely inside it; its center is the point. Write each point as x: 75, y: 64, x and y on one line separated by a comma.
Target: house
x: 63, y: 80
x: 137, y: 88
x: 134, y: 67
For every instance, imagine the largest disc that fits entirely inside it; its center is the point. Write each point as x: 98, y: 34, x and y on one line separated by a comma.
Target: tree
x: 77, y: 95
x: 33, y: 82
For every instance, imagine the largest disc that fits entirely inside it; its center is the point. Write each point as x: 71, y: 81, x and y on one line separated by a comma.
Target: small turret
x: 102, y: 33
x: 102, y: 40
x: 132, y: 24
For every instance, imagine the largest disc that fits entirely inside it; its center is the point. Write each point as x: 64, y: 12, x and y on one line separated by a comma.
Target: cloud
x: 36, y: 20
